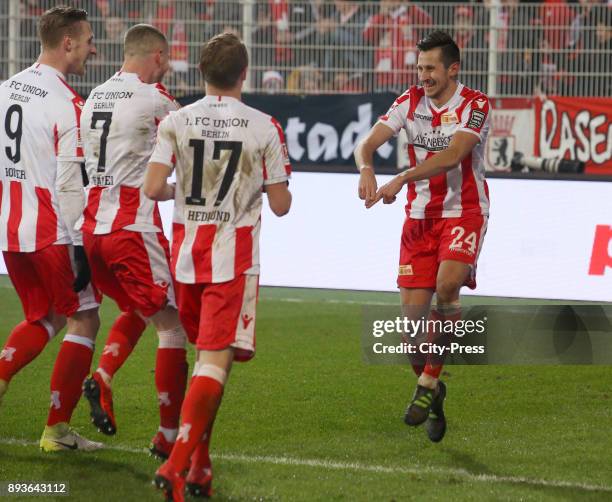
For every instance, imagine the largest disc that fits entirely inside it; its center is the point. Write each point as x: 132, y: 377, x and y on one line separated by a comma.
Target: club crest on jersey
x: 449, y: 118
x: 405, y: 270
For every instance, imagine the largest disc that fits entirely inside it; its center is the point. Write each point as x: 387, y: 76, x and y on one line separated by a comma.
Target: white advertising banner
x: 546, y: 239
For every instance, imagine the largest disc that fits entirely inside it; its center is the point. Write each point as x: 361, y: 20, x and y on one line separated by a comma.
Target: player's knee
x: 447, y: 290
x: 173, y: 338
x: 85, y: 323
x: 166, y: 319
x: 53, y: 323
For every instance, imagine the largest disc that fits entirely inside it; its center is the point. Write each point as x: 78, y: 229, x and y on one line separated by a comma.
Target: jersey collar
x: 449, y: 103
x: 48, y: 69
x: 209, y: 98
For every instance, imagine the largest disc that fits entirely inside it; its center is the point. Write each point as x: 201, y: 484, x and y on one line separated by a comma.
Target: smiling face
x: 433, y: 75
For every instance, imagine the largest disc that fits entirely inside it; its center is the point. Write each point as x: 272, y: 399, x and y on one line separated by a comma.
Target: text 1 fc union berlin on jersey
x: 224, y: 153
x: 118, y: 126
x: 461, y: 191
x: 39, y: 125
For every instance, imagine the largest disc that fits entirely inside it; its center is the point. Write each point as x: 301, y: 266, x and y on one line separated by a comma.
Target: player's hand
x: 83, y: 273
x: 388, y: 192
x: 367, y: 184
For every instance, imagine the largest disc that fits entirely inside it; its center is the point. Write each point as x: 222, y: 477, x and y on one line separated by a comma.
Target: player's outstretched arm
x: 461, y: 144
x: 279, y: 198
x: 156, y: 186
x: 364, y: 159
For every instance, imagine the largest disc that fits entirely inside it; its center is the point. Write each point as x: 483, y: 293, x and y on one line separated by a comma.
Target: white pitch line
x: 347, y: 302
x: 354, y: 466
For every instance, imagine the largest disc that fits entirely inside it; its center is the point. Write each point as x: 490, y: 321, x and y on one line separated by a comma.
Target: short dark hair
x: 222, y: 60
x: 141, y: 39
x: 58, y: 22
x: 448, y: 47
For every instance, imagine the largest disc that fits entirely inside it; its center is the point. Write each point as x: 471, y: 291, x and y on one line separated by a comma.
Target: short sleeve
x: 68, y: 145
x: 164, y: 152
x: 276, y: 164
x: 395, y: 118
x: 165, y: 103
x: 475, y: 116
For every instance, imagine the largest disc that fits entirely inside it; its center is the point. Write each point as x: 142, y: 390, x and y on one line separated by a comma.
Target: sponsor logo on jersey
x: 480, y: 103
x: 432, y: 143
x: 423, y: 117
x: 405, y: 270
x: 449, y: 118
x: 476, y: 120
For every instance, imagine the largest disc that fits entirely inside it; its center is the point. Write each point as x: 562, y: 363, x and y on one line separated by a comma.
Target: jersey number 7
x: 106, y: 117
x: 197, y: 198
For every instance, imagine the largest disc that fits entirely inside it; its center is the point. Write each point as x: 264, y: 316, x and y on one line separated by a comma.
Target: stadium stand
x: 344, y: 46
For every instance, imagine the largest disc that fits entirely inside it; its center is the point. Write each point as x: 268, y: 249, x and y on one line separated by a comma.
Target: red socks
x: 122, y: 338
x: 200, y: 459
x: 435, y: 362
x: 198, y: 414
x: 71, y: 368
x: 25, y: 342
x: 170, y: 380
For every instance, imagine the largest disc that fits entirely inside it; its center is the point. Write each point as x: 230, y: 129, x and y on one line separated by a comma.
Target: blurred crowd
x: 310, y: 46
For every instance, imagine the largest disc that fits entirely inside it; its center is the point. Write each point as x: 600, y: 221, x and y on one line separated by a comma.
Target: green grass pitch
x: 307, y: 419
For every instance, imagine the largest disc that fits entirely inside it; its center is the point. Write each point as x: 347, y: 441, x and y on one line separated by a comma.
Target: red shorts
x: 426, y: 243
x: 43, y: 280
x: 221, y: 315
x: 132, y: 268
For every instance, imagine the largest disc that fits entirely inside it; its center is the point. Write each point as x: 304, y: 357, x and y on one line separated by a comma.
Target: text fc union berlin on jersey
x: 224, y: 153
x: 462, y: 191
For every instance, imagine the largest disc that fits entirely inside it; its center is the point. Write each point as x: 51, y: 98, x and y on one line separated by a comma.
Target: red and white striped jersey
x: 119, y: 125
x: 39, y: 113
x: 223, y: 152
x: 461, y: 191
